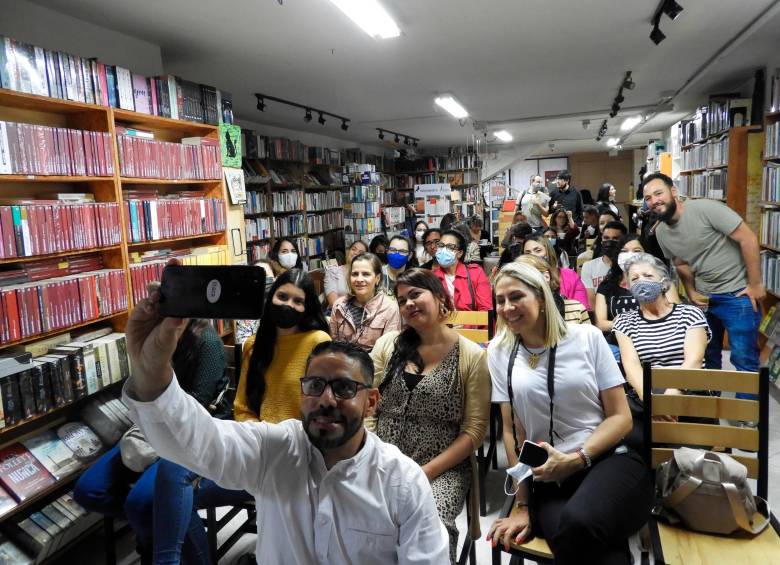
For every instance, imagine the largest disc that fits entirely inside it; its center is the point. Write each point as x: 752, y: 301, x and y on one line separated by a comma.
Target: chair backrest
x: 660, y: 436
x: 474, y: 325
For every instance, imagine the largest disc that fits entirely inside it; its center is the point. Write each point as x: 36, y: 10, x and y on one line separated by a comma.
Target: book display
x: 293, y: 191
x: 362, y: 203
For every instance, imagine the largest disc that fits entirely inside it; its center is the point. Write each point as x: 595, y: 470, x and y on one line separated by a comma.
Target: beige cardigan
x: 473, y: 372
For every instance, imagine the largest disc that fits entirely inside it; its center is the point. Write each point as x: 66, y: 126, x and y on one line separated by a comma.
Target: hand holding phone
x: 532, y: 454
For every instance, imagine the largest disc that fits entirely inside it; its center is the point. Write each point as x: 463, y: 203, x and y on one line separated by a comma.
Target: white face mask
x: 624, y: 257
x: 419, y: 235
x: 288, y: 260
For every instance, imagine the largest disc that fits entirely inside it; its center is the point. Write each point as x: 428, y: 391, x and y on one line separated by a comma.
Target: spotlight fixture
x: 260, y: 104
x: 307, y: 117
x: 671, y: 9
x: 344, y: 125
x: 381, y: 133
x: 628, y: 82
x: 397, y: 136
x: 397, y: 139
x: 321, y: 119
x: 406, y: 141
x: 619, y: 98
x: 308, y: 110
x: 657, y: 36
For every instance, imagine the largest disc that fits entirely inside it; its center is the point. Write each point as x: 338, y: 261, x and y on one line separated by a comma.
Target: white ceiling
x: 503, y: 59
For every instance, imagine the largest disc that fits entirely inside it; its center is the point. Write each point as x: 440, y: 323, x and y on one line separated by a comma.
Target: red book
x: 4, y: 332
x: 8, y: 242
x: 21, y: 473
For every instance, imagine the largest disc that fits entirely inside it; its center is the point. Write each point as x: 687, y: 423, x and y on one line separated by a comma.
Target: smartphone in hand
x: 218, y: 292
x: 532, y: 454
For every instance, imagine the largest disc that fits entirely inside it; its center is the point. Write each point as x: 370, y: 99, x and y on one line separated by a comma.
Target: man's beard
x: 671, y: 208
x: 351, y: 427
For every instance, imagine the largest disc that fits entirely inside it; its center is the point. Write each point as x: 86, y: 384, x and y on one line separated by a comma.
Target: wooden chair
x: 536, y: 549
x: 481, y: 334
x: 676, y: 545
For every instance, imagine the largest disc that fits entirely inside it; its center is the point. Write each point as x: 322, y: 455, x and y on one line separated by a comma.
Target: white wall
x: 522, y: 171
x: 46, y: 28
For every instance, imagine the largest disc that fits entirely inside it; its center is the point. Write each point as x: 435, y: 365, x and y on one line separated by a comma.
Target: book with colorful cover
x: 21, y: 473
x: 53, y: 454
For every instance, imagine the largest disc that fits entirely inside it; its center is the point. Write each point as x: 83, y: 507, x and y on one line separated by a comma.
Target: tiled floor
x: 91, y: 551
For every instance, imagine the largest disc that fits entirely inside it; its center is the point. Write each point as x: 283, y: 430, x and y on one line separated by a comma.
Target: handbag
x: 708, y: 492
x: 137, y: 454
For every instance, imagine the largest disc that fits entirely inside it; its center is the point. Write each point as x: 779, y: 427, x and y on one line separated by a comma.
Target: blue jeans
x: 110, y: 488
x: 178, y: 530
x: 735, y: 315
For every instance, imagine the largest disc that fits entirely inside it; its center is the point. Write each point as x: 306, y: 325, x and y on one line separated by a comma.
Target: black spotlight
x: 672, y: 9
x: 321, y: 119
x: 381, y: 134
x: 619, y: 98
x: 397, y: 139
x: 344, y: 125
x: 261, y: 104
x: 414, y: 143
x: 657, y: 35
x: 406, y: 141
x: 307, y: 117
x: 629, y: 83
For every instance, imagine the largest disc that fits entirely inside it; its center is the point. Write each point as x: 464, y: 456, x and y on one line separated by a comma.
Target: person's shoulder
x: 468, y: 347
x: 340, y: 301
x: 578, y: 333
x: 385, y: 341
x: 689, y: 311
x: 315, y: 336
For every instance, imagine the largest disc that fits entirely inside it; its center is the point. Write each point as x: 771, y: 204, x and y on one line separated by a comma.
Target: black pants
x: 589, y: 518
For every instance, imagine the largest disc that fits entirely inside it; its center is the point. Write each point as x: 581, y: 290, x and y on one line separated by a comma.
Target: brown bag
x: 708, y: 492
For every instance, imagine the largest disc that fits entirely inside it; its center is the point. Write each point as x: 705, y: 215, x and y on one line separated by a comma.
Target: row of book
x: 363, y: 225
x: 147, y: 267
x: 323, y: 200
x: 770, y: 271
x: 256, y: 146
x: 34, y: 70
x: 256, y: 173
x: 27, y: 228
x: 356, y: 175
x: 256, y: 202
x: 707, y: 184
x: 318, y: 223
x: 324, y: 244
x: 770, y: 327
x: 180, y: 215
x: 257, y: 228
x: 721, y: 114
x: 772, y: 141
x: 770, y: 227
x: 393, y: 215
x: 287, y: 225
x: 770, y: 188
x: 195, y: 158
x: 365, y: 209
x: 713, y: 153
x: 467, y: 160
x: 362, y: 193
x: 287, y: 200
x: 29, y: 149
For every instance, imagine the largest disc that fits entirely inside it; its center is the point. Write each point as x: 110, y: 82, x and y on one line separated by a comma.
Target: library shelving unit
x: 310, y: 214
x: 769, y: 234
x: 43, y: 111
x: 463, y: 181
x: 362, y: 200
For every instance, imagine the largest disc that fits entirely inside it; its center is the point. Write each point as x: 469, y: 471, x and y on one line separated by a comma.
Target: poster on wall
x: 230, y: 142
x: 234, y: 178
x: 432, y: 201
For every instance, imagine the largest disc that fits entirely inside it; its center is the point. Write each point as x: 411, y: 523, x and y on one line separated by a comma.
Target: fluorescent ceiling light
x: 612, y: 141
x: 503, y: 135
x: 454, y: 107
x: 630, y: 123
x: 370, y: 16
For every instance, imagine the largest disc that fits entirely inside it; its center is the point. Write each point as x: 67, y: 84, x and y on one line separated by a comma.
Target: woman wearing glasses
x: 364, y: 314
x: 559, y: 386
x: 435, y: 394
x: 400, y: 255
x: 467, y: 284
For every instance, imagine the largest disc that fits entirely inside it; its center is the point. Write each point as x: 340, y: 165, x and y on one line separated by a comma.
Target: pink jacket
x: 381, y: 315
x: 572, y: 287
x: 483, y: 292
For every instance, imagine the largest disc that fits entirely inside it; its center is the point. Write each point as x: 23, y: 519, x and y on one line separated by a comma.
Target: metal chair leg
x: 211, y: 532
x: 110, y: 540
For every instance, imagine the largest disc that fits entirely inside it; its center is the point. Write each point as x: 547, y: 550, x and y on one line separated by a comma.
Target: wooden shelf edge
x: 140, y: 180
x: 46, y: 103
x: 53, y: 178
x: 713, y: 168
x: 138, y: 244
x: 11, y: 260
x: 62, y: 330
x: 121, y: 115
x: 770, y: 248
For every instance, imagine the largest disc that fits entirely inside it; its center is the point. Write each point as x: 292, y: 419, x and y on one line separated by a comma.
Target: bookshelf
x: 362, y: 203
x: 770, y: 208
x: 110, y: 193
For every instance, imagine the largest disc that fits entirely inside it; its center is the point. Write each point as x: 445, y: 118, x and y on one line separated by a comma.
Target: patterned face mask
x: 647, y: 291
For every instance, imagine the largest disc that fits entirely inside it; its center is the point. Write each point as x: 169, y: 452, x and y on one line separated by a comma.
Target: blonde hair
x: 550, y: 255
x: 555, y: 327
x: 543, y: 267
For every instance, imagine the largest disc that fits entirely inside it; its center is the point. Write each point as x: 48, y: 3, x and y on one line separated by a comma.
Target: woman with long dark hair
x: 435, y: 394
x: 606, y: 200
x: 291, y: 325
x: 285, y: 256
x: 566, y: 232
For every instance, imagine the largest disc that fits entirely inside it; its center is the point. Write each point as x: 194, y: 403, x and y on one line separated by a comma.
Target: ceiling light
x: 630, y: 123
x: 397, y: 139
x: 370, y: 16
x: 381, y: 134
x: 672, y: 9
x: 503, y: 135
x: 612, y: 141
x: 321, y: 119
x: 454, y: 107
x: 344, y: 125
x: 307, y: 117
x: 657, y: 35
x: 260, y: 104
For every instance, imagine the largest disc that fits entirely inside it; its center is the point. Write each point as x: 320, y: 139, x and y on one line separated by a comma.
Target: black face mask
x: 609, y: 247
x: 382, y: 257
x: 286, y: 317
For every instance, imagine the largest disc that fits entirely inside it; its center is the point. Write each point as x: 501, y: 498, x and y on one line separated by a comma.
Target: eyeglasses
x: 432, y: 242
x: 343, y: 389
x: 450, y: 246
x: 403, y: 252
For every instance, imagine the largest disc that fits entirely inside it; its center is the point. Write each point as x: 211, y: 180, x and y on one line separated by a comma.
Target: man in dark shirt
x: 566, y: 197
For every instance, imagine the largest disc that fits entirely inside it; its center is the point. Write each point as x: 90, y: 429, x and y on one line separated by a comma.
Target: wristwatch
x: 585, y: 457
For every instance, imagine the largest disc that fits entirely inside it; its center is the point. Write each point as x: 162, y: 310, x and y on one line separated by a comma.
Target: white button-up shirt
x: 374, y: 508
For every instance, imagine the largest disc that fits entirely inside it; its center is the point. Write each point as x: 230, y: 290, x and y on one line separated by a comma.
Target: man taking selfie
x: 327, y: 490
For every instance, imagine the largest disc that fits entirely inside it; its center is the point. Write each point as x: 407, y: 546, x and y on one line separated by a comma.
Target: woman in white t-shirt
x: 580, y: 425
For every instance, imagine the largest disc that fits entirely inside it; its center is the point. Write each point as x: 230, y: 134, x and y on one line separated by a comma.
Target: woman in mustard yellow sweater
x: 269, y: 388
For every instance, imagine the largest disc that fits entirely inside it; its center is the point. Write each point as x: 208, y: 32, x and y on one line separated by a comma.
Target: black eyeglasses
x: 343, y: 389
x: 403, y: 252
x: 450, y: 246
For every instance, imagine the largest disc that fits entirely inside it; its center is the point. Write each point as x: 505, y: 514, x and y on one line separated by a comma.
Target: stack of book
x: 43, y: 150
x: 287, y: 200
x: 34, y: 70
x: 140, y: 155
x: 770, y: 190
x: 183, y: 214
x: 26, y: 226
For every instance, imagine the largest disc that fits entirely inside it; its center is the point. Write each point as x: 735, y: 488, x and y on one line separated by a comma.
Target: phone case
x: 218, y: 292
x: 532, y: 454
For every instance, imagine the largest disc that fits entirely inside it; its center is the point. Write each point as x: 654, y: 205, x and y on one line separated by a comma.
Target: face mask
x: 288, y: 260
x: 538, y: 186
x: 552, y: 240
x: 519, y: 473
x: 396, y: 260
x: 286, y: 317
x: 419, y: 235
x: 382, y: 257
x: 647, y: 291
x: 445, y: 257
x: 624, y: 257
x: 609, y: 247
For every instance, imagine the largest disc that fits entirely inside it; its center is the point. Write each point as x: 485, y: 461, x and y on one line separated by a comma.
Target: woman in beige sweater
x: 435, y: 394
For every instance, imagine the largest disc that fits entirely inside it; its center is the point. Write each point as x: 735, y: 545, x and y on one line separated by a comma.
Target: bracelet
x: 586, y: 460
x: 519, y: 504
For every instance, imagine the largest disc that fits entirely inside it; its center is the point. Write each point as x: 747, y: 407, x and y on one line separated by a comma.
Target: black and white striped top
x: 661, y: 342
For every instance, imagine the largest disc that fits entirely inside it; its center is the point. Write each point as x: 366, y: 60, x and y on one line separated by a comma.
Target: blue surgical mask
x: 552, y: 240
x: 445, y: 257
x: 396, y: 260
x: 646, y: 292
